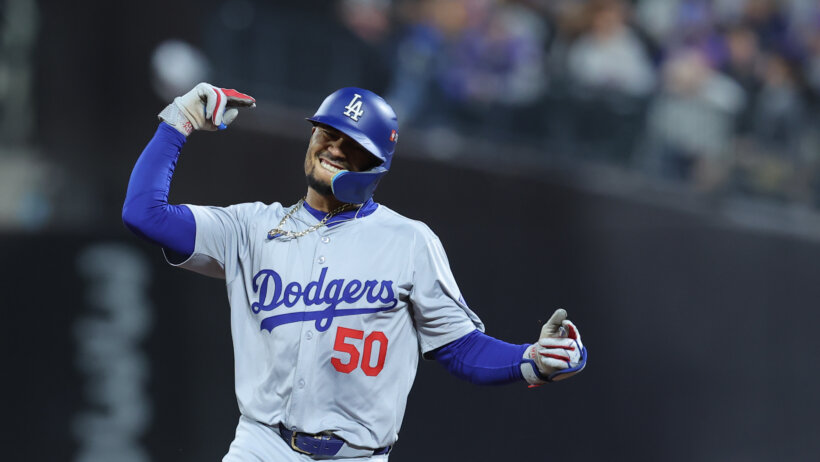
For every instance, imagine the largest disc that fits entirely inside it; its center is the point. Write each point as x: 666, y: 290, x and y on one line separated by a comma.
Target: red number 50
x: 343, y: 333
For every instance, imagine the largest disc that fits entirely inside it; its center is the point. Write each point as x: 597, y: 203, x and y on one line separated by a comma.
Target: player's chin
x: 320, y: 183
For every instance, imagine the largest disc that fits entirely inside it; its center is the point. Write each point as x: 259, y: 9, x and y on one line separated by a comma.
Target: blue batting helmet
x: 367, y: 119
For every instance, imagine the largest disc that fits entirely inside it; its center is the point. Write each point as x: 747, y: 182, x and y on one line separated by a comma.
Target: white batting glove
x: 558, y: 354
x: 206, y: 107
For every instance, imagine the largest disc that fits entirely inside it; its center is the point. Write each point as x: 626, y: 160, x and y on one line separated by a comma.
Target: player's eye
x: 329, y: 135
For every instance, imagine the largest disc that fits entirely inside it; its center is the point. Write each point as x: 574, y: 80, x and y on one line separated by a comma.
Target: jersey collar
x: 366, y: 209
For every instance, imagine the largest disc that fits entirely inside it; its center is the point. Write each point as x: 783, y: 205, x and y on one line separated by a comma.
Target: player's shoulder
x: 258, y: 207
x: 395, y: 222
x: 251, y: 212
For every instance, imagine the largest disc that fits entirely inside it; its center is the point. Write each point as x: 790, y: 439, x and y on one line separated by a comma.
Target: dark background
x: 701, y: 331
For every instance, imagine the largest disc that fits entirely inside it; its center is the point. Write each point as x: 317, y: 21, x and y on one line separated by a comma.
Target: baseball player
x: 332, y: 297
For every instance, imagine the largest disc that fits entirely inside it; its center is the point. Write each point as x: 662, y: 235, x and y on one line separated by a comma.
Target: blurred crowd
x: 720, y: 94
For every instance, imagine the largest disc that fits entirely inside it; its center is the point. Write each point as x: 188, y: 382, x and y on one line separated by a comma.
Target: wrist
x: 174, y: 117
x: 529, y: 368
x: 169, y: 134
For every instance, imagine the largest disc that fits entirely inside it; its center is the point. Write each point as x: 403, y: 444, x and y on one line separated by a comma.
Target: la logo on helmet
x: 354, y: 108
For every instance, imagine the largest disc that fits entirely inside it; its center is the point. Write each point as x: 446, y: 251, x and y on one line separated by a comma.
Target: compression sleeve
x: 482, y: 360
x: 146, y: 211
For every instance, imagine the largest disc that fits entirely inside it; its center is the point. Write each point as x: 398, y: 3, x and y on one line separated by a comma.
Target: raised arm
x: 146, y: 211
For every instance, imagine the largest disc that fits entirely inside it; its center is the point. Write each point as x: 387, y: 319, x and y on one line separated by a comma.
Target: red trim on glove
x: 231, y: 93
x: 216, y: 107
x: 573, y: 334
x: 559, y: 347
x: 560, y: 358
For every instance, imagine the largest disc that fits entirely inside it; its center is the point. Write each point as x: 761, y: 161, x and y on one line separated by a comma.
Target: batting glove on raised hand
x: 206, y: 107
x: 558, y: 354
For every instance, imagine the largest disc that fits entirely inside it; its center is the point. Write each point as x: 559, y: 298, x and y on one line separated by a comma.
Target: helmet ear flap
x: 356, y: 187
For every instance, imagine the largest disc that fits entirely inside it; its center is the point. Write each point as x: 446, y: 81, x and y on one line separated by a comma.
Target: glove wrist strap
x: 175, y: 118
x: 529, y: 370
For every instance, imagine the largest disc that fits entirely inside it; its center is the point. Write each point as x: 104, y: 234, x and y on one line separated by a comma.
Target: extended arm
x: 484, y: 360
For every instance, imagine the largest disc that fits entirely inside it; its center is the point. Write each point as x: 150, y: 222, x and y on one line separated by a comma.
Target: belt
x: 324, y: 445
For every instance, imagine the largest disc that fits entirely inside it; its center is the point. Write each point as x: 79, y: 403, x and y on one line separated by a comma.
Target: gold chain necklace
x: 279, y: 232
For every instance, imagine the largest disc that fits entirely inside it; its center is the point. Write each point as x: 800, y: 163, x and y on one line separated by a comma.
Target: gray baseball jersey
x: 327, y: 327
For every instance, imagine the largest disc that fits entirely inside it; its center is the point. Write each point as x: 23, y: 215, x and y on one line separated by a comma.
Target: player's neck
x: 320, y: 202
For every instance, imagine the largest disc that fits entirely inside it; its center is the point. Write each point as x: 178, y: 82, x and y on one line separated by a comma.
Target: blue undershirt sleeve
x: 482, y: 360
x: 146, y: 211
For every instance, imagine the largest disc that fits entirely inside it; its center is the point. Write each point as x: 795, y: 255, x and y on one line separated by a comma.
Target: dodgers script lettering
x: 272, y: 293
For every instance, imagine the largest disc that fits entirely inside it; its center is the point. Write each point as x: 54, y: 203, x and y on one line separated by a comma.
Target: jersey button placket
x: 307, y: 350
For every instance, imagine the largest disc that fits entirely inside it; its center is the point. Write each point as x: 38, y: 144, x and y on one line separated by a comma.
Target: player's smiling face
x: 329, y: 152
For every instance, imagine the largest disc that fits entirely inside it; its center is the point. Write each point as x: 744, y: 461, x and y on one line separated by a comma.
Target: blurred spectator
x: 677, y: 23
x: 431, y: 27
x: 657, y: 18
x: 296, y: 52
x: 742, y: 56
x: 609, y: 56
x: 766, y: 18
x: 368, y: 19
x: 607, y: 75
x: 691, y: 122
x: 470, y: 64
x: 742, y: 63
x: 772, y: 163
x: 779, y: 111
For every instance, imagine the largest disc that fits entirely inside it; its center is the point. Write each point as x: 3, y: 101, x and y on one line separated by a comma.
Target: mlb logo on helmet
x: 394, y: 135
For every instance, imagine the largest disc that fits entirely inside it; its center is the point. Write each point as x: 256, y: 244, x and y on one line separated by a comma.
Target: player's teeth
x: 330, y: 168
